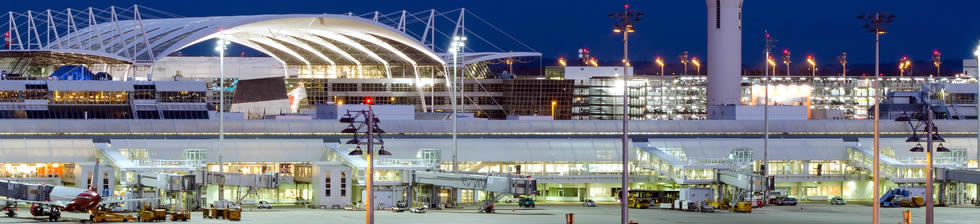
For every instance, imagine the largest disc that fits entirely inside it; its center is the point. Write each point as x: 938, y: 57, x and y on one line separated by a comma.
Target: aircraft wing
x: 49, y: 203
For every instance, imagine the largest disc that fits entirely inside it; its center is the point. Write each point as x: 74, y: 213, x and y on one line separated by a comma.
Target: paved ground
x: 804, y: 213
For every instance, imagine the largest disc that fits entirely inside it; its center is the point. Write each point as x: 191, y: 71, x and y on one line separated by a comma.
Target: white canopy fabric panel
x: 175, y: 86
x: 127, y: 39
x: 235, y: 150
x: 513, y: 149
x: 46, y: 150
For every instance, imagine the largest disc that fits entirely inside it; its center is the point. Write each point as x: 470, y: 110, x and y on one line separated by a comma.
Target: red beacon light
x: 368, y: 101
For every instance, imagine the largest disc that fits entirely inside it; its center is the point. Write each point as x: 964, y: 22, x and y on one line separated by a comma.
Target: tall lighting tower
x: 937, y: 59
x: 624, y: 24
x: 875, y: 23
x: 813, y: 65
x: 222, y: 46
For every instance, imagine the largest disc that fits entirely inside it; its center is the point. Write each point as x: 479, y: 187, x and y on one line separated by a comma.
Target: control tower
x: 724, y: 58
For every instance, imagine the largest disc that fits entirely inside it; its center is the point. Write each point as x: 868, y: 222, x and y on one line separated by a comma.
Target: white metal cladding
x: 13, y: 85
x: 177, y: 86
x: 236, y: 150
x: 779, y: 149
x: 46, y: 150
x: 79, y: 85
x: 510, y: 149
x: 468, y: 127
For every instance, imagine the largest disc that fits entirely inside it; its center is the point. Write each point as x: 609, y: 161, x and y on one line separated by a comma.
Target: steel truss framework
x: 313, y: 43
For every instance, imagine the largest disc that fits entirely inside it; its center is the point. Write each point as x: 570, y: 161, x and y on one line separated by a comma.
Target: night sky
x: 821, y: 28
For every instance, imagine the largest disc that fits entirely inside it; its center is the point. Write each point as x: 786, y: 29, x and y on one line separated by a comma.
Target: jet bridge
x: 496, y: 183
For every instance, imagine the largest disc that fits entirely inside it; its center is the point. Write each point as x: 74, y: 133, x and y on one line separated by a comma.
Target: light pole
x: 660, y: 62
x: 370, y: 136
x: 813, y: 65
x: 697, y: 64
x: 772, y: 63
x: 903, y: 65
x: 457, y: 45
x: 843, y: 63
x: 624, y: 24
x: 932, y: 135
x: 875, y: 23
x: 937, y: 59
x: 222, y: 46
x: 765, y: 142
x: 554, y: 103
x: 786, y: 60
x: 977, y: 54
x: 683, y: 57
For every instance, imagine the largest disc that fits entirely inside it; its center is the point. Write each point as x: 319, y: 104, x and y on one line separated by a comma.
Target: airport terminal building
x: 118, y: 92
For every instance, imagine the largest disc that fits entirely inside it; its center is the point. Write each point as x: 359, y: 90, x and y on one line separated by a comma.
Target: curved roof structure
x: 298, y: 39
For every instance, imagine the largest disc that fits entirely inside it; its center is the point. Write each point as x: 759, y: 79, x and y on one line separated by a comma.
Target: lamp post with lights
x: 976, y: 53
x: 923, y: 120
x: 457, y: 45
x: 364, y: 126
x: 220, y: 48
x: 843, y: 63
x: 937, y: 59
x: 660, y: 62
x: 875, y: 23
x: 683, y: 57
x: 786, y: 60
x: 696, y: 64
x: 813, y: 65
x: 624, y: 24
x: 903, y: 65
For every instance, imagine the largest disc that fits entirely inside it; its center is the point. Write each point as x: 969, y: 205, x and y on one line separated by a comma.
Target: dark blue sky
x: 823, y: 28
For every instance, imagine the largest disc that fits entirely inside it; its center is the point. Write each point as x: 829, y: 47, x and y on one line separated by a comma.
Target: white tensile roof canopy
x: 135, y: 35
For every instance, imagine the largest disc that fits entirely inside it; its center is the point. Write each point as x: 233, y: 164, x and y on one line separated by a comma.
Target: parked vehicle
x: 526, y: 202
x: 787, y: 201
x: 264, y: 204
x: 399, y: 207
x: 837, y: 201
x: 588, y: 203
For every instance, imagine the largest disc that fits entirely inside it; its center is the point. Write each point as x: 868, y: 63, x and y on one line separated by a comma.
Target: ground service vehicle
x: 264, y: 204
x: 399, y: 207
x: 837, y: 201
x: 588, y: 203
x: 643, y: 198
x: 526, y: 202
x: 744, y: 207
x: 787, y: 201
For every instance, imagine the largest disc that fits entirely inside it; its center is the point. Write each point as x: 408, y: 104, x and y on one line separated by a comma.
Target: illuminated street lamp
x: 903, y: 65
x: 683, y: 57
x: 813, y: 64
x: 661, y: 63
x: 222, y: 45
x: 937, y: 59
x: 554, y: 103
x: 772, y: 63
x: 697, y: 64
x: 458, y: 45
x: 561, y: 61
x: 786, y: 60
x: 843, y: 63
x: 624, y: 24
x: 875, y: 23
